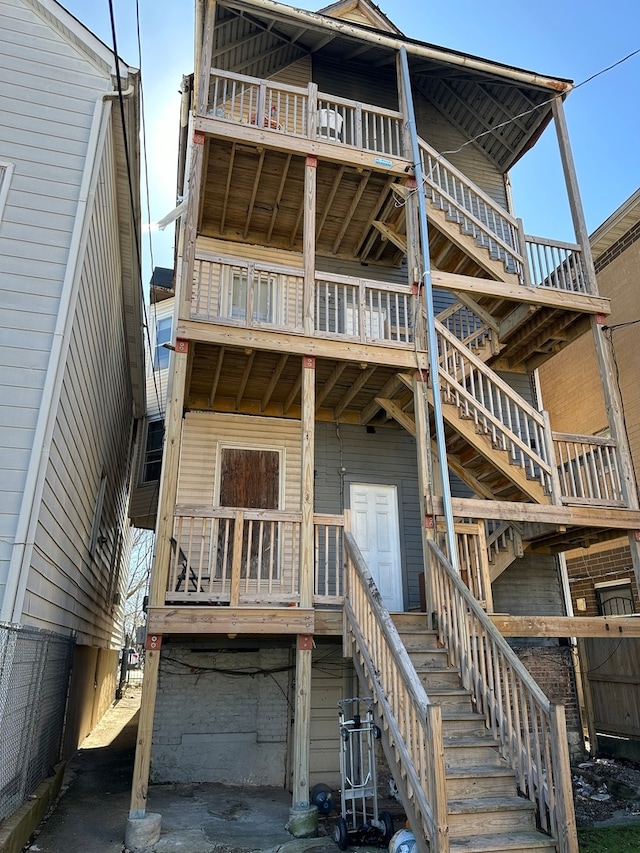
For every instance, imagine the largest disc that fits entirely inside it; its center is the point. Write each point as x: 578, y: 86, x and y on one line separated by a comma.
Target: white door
x: 374, y: 518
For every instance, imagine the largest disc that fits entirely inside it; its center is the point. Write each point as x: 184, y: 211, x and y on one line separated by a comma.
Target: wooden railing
x: 468, y: 327
x: 304, y: 112
x: 502, y: 536
x: 414, y: 723
x: 363, y: 310
x: 247, y: 293
x: 363, y: 126
x: 496, y: 409
x: 238, y: 556
x: 530, y: 730
x: 234, y: 556
x: 251, y: 294
x: 473, y: 559
x: 475, y: 212
x: 588, y: 469
x: 328, y: 587
x: 555, y: 265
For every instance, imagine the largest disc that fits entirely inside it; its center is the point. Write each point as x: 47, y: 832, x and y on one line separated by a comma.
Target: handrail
x: 588, y: 469
x: 513, y: 424
x: 414, y: 723
x: 530, y: 730
x: 490, y: 223
x: 556, y: 265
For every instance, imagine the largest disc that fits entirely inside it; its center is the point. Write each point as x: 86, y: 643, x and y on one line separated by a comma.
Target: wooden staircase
x: 478, y: 753
x: 481, y: 789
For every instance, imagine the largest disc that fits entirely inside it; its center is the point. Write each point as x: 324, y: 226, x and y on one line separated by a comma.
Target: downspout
x: 430, y: 314
x: 24, y: 540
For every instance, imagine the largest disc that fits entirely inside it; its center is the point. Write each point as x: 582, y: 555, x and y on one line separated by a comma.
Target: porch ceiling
x: 259, y: 41
x: 256, y: 195
x: 257, y: 382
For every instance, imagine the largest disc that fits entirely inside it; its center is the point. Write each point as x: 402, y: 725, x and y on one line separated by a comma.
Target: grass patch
x: 610, y: 839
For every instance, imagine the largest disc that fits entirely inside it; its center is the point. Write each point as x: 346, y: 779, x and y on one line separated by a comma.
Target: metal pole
x: 428, y: 300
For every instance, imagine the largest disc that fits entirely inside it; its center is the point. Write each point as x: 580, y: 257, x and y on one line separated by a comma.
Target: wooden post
x: 613, y: 402
x: 160, y: 572
x: 425, y: 474
x: 567, y: 838
x: 309, y: 245
x: 204, y: 55
x: 304, y: 647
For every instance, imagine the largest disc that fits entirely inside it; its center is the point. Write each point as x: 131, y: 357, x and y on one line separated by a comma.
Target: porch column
x: 140, y: 824
x: 606, y: 367
x: 303, y: 822
x: 309, y: 245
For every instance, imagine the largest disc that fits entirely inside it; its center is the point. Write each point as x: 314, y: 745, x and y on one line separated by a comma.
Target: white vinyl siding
x: 68, y: 585
x: 47, y: 95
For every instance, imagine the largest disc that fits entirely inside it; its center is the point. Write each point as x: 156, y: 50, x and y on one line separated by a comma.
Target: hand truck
x: 359, y: 822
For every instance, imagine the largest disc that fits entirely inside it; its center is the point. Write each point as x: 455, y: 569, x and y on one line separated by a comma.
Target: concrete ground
x: 91, y: 813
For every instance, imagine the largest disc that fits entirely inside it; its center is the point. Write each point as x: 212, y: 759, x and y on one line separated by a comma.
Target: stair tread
x: 470, y: 740
x: 458, y: 716
x: 504, y: 841
x: 474, y: 770
x: 497, y: 804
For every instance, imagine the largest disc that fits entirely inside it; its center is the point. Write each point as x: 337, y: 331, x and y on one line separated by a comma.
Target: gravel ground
x: 606, y: 792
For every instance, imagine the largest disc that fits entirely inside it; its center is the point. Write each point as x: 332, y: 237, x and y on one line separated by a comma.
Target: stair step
x: 480, y: 780
x: 434, y: 677
x: 425, y: 658
x: 456, y: 697
x: 490, y: 815
x: 463, y: 723
x: 470, y: 751
x: 509, y: 842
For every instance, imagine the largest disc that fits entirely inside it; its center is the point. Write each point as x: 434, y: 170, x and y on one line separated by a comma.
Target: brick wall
x: 222, y: 716
x: 599, y: 567
x: 552, y: 668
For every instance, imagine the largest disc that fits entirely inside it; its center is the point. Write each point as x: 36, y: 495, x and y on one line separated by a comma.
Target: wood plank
x: 534, y: 296
x: 352, y: 209
x: 230, y: 620
x: 567, y: 626
x: 579, y: 516
x: 341, y: 154
x: 302, y: 344
x: 360, y: 382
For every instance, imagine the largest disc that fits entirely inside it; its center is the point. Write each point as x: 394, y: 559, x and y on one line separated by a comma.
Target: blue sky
x: 564, y: 38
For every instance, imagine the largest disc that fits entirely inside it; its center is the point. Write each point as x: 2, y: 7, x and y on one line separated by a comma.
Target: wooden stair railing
x: 411, y: 723
x: 473, y: 210
x: 530, y: 730
x: 510, y: 423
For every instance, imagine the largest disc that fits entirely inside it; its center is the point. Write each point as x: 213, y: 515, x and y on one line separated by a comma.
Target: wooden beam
x: 384, y: 192
x: 309, y: 244
x: 355, y: 351
x: 391, y: 234
x: 390, y: 387
x: 278, y: 198
x: 341, y: 154
x: 564, y: 299
x: 308, y: 378
x: 355, y: 388
x: 576, y: 516
x: 346, y: 222
x: 192, y: 619
x: 254, y: 193
x: 245, y: 377
x: 273, y: 381
x: 227, y: 187
x: 567, y: 626
x: 333, y: 377
x: 328, y: 202
x: 293, y: 393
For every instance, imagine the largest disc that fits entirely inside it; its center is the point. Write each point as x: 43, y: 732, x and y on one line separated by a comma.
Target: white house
x: 71, y: 378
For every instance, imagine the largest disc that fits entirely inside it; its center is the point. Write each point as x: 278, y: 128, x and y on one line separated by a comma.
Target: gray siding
x: 387, y: 456
x: 47, y: 96
x: 68, y: 588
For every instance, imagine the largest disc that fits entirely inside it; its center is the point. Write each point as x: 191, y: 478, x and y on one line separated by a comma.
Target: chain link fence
x: 35, y: 666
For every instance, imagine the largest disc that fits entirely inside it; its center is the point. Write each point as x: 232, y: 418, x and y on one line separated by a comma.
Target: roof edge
x: 620, y: 221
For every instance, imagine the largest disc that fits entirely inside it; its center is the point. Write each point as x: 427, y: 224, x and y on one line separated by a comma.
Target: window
x: 266, y: 288
x: 163, y: 336
x: 615, y: 599
x: 153, y: 452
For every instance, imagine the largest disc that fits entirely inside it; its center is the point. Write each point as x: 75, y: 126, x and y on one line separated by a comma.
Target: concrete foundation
x: 303, y: 822
x: 142, y: 832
